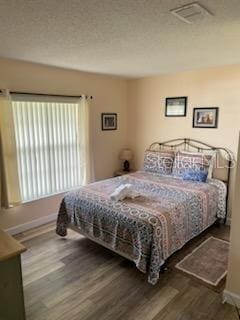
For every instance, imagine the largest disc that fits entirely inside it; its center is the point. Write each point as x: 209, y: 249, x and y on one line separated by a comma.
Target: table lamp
x: 126, y: 155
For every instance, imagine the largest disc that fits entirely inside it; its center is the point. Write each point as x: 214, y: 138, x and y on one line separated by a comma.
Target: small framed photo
x: 176, y: 107
x: 109, y: 121
x: 205, y: 117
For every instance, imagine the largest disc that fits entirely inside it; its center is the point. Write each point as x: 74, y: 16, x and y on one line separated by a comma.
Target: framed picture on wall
x: 176, y: 107
x: 205, y: 117
x: 109, y: 121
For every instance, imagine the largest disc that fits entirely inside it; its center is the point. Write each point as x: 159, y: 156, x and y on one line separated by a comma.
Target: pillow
x: 197, y: 161
x: 159, y: 161
x: 195, y: 175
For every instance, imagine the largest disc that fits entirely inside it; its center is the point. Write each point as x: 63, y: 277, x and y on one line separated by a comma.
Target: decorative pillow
x: 191, y: 160
x: 159, y: 161
x: 195, y: 175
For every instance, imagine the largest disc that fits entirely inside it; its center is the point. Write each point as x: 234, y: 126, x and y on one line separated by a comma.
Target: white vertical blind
x: 48, y: 149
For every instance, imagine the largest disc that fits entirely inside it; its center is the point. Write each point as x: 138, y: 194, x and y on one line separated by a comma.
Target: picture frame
x: 176, y: 107
x: 205, y: 117
x: 109, y: 121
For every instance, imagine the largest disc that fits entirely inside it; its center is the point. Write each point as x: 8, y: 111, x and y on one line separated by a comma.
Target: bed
x: 147, y: 230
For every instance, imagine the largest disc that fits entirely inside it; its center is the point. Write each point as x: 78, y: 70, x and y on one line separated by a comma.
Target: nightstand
x: 121, y: 173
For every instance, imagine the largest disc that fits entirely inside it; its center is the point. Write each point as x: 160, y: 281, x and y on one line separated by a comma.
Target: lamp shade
x: 126, y: 154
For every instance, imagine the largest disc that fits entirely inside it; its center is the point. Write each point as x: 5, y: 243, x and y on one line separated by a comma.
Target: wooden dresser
x: 11, y: 287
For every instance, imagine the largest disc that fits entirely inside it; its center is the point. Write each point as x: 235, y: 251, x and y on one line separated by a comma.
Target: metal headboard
x: 199, y: 146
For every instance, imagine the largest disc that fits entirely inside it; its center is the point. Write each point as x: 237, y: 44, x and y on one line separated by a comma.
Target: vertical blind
x: 48, y: 147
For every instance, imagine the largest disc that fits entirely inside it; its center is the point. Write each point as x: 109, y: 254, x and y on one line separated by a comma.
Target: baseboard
x: 31, y: 224
x: 231, y: 298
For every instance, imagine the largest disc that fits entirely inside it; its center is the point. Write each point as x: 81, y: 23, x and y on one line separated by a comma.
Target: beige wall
x: 233, y: 279
x: 109, y: 96
x: 214, y: 87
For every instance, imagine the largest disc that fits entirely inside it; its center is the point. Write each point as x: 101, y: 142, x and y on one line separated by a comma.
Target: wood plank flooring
x: 76, y: 279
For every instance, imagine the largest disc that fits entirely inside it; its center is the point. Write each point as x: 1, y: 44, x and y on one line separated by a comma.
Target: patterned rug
x: 208, y: 262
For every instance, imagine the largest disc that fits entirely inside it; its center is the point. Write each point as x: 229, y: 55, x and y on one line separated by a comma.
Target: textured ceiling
x: 122, y: 37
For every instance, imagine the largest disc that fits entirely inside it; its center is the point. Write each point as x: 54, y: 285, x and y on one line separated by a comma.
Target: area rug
x: 208, y: 262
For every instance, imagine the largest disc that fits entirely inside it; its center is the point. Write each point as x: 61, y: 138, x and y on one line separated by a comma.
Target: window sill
x: 49, y: 196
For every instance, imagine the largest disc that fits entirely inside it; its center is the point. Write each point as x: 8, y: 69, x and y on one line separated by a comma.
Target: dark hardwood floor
x: 76, y: 279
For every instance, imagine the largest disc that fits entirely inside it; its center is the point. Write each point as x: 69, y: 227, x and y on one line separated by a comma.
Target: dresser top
x: 9, y: 247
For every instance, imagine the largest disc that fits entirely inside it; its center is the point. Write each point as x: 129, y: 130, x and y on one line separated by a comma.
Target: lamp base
x: 126, y: 166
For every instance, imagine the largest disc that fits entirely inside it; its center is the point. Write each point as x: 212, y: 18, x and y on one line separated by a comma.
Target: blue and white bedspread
x: 147, y: 229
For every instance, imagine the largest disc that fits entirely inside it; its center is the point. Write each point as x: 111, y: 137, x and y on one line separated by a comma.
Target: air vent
x: 191, y: 12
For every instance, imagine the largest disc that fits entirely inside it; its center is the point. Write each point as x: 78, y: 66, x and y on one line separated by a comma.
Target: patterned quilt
x: 147, y: 229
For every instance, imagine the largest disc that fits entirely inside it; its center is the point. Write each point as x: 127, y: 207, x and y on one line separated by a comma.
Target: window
x: 48, y: 147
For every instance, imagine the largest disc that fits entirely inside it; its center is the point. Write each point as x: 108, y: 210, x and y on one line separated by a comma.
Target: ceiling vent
x: 191, y: 12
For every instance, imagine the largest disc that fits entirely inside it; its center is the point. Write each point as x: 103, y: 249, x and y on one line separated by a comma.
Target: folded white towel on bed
x: 124, y: 191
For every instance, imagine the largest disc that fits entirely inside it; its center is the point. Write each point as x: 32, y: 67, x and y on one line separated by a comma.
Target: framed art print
x: 205, y: 117
x: 176, y: 107
x: 109, y: 121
